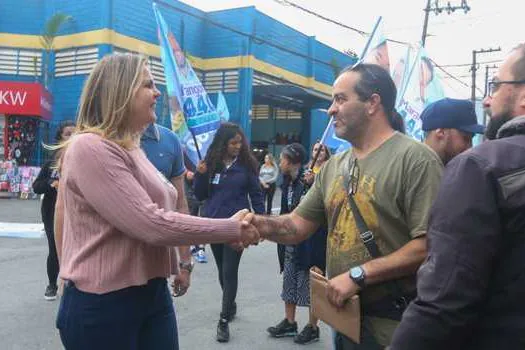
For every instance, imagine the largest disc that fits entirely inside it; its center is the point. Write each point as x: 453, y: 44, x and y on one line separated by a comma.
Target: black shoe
x: 51, y: 292
x: 283, y: 329
x: 223, y: 332
x: 308, y: 335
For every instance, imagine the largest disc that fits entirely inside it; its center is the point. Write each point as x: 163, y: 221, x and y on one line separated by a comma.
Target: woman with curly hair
x: 225, y: 179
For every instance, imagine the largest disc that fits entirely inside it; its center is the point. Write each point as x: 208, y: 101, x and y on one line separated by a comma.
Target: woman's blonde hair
x: 106, y: 100
x: 271, y: 158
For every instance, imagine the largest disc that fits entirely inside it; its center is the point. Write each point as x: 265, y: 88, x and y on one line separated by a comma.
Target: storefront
x: 25, y: 111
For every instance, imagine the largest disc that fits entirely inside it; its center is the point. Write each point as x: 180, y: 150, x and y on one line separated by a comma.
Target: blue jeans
x: 134, y: 318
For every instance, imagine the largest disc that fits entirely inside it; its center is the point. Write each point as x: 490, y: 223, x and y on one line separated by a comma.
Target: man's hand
x: 54, y: 184
x: 181, y: 283
x: 201, y: 167
x: 340, y: 289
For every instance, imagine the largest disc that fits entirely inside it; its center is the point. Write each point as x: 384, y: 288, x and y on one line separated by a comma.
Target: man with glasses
x: 392, y: 179
x: 449, y: 127
x: 471, y: 289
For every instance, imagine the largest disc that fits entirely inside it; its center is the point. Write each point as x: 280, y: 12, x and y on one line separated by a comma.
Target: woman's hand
x: 309, y: 177
x: 201, y: 167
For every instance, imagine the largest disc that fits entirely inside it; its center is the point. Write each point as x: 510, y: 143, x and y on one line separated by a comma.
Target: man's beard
x: 494, y: 125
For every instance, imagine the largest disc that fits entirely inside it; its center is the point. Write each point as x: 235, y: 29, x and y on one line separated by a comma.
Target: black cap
x: 450, y: 113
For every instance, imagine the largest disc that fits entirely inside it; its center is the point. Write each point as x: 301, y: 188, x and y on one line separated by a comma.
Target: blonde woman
x: 268, y: 175
x: 116, y: 219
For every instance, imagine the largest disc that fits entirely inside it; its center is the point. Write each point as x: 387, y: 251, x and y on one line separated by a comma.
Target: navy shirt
x: 227, y: 192
x: 163, y: 149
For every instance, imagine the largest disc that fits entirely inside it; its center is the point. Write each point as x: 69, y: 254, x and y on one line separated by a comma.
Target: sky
x: 452, y: 37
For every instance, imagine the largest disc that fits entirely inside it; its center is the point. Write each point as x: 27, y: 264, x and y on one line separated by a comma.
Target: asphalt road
x: 27, y: 321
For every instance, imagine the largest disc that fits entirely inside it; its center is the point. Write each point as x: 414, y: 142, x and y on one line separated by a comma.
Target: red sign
x: 31, y: 99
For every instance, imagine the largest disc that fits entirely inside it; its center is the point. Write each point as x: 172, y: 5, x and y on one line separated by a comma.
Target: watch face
x: 356, y: 272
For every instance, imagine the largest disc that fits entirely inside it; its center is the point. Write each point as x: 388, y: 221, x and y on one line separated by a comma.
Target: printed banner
x: 222, y: 108
x: 197, y: 119
x: 422, y: 87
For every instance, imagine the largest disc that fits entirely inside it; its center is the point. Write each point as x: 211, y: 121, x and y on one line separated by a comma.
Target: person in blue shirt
x: 227, y: 179
x: 163, y: 149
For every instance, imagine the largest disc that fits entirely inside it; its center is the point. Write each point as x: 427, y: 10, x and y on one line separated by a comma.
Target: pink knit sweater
x: 118, y: 222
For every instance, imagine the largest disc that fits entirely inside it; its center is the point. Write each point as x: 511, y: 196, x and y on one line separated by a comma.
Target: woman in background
x: 46, y: 183
x: 268, y: 177
x: 227, y: 180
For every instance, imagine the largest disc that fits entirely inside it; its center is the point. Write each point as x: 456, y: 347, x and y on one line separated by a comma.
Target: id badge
x: 216, y: 179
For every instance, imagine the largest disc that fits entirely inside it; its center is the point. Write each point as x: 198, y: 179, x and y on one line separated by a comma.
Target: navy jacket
x: 230, y: 194
x: 471, y: 288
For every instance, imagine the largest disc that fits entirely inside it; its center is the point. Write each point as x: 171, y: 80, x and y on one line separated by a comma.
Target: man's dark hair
x: 295, y: 153
x: 375, y: 80
x: 518, y: 70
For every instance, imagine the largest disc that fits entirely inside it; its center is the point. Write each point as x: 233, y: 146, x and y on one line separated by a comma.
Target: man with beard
x: 375, y: 198
x: 471, y: 288
x: 449, y: 125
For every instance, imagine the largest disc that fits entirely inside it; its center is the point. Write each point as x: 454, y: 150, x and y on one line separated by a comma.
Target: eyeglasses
x: 495, y: 84
x: 353, y: 182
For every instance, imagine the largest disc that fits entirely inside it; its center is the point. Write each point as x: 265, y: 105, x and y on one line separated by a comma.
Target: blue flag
x: 193, y: 116
x: 222, y: 108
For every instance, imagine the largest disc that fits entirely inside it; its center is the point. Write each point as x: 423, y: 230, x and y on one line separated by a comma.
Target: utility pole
x: 475, y: 68
x: 487, y: 69
x: 437, y: 10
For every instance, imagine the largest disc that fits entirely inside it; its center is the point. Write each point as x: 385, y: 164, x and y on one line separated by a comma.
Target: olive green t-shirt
x: 397, y: 184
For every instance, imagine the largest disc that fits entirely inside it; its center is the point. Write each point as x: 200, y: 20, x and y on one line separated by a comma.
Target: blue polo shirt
x: 163, y: 149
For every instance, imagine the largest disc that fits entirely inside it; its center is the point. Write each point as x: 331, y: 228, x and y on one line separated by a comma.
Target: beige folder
x: 346, y: 320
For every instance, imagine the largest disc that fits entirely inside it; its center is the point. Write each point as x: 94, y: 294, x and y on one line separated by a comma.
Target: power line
x: 452, y: 76
x: 470, y: 64
x: 324, y: 18
x: 255, y: 38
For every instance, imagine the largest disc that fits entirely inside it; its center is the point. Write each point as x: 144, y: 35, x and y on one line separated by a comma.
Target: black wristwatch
x: 357, y: 274
x: 187, y: 265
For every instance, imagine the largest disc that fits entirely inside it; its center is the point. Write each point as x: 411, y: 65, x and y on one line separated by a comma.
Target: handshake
x: 249, y: 233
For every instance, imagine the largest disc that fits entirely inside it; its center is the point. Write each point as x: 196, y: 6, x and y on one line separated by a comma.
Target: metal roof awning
x: 287, y: 96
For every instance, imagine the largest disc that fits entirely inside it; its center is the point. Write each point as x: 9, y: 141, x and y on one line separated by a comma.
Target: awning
x: 287, y: 96
x: 19, y: 98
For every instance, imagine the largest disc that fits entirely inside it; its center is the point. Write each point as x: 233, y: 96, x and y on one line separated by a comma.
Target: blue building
x: 275, y: 79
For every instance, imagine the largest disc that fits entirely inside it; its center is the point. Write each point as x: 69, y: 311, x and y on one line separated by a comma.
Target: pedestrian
x: 312, y: 169
x: 470, y: 289
x: 376, y: 198
x: 163, y: 150
x: 268, y: 174
x: 296, y: 260
x: 46, y: 183
x: 449, y: 126
x: 227, y: 180
x: 199, y: 250
x: 115, y: 220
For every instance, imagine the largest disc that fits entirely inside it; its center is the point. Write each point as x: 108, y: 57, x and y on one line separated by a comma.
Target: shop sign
x: 19, y: 98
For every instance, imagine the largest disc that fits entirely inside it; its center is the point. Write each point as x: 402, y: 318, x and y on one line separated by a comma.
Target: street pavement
x: 27, y: 321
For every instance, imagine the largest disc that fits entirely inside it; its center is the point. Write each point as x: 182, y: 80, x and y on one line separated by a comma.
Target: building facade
x: 276, y: 80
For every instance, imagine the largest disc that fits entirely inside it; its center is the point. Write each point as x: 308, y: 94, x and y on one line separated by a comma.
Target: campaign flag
x: 401, y: 72
x: 376, y: 52
x: 422, y: 87
x: 193, y: 117
x: 222, y: 108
